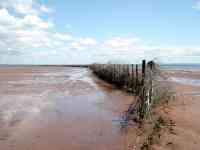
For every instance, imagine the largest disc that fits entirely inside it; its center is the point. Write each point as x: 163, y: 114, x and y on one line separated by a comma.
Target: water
x: 187, y: 81
x: 181, y: 66
x: 59, y: 108
x: 186, y: 75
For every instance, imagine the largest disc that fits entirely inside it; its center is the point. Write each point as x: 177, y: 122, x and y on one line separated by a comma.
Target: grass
x: 155, y: 135
x: 158, y: 127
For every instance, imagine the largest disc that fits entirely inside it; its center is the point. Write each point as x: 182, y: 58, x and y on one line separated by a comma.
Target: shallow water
x: 59, y: 108
x: 187, y: 81
x: 190, y: 85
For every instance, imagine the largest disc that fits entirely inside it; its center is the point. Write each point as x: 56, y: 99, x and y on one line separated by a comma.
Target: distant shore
x: 183, y: 67
x: 31, y: 65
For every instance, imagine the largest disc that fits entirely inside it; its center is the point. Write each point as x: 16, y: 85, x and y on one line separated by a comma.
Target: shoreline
x: 30, y: 65
x: 183, y: 112
x: 180, y: 130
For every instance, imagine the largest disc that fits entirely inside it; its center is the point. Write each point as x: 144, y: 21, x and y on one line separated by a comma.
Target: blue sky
x: 155, y: 20
x: 77, y: 31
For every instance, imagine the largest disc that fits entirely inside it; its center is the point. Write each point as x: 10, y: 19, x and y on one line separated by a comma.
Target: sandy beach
x: 184, y: 112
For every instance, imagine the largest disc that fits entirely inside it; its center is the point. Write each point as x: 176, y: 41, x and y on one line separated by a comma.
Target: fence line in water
x: 134, y: 78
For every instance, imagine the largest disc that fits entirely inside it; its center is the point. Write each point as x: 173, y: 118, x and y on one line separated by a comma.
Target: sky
x: 89, y: 31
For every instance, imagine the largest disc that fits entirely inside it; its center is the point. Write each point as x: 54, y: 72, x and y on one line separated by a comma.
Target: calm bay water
x: 180, y: 66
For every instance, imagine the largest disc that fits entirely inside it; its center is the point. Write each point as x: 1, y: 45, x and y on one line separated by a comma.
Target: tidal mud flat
x: 59, y: 108
x: 184, y: 111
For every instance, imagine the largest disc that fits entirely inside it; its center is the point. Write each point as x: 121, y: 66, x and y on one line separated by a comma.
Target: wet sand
x: 63, y: 108
x: 184, y: 111
x: 59, y: 108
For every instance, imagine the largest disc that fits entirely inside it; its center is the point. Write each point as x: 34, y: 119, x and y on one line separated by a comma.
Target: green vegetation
x: 155, y: 135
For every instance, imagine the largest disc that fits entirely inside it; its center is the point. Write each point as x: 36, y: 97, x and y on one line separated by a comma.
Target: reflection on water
x: 191, y: 93
x: 188, y: 81
x: 59, y: 108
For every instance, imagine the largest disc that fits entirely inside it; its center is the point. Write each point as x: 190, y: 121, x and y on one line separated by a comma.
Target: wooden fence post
x: 136, y: 79
x: 114, y: 73
x: 123, y: 68
x: 128, y: 77
x: 118, y: 67
x: 150, y: 65
x: 144, y: 92
x: 132, y: 78
x: 143, y: 71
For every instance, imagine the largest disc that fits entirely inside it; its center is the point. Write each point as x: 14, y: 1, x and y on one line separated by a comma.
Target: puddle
x: 58, y: 108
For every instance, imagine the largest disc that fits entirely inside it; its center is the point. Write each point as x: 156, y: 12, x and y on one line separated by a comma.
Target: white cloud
x: 28, y: 38
x: 197, y: 5
x: 6, y: 19
x: 83, y: 43
x: 133, y: 49
x: 63, y: 37
x: 26, y: 32
x: 29, y: 21
x: 87, y: 41
x: 46, y: 9
x: 20, y: 6
x: 121, y: 43
x: 25, y: 7
x: 35, y: 21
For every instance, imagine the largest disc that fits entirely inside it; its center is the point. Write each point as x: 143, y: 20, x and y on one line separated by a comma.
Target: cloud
x: 46, y: 9
x: 87, y: 41
x: 26, y: 7
x: 197, y: 5
x: 32, y: 38
x: 35, y: 21
x: 16, y: 29
x: 6, y: 19
x: 133, y: 49
x: 26, y: 37
x: 121, y: 43
x: 20, y: 6
x: 63, y: 37
x: 83, y: 43
x: 27, y: 32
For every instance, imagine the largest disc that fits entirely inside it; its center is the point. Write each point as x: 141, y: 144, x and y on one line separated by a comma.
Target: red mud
x: 185, y: 112
x: 59, y: 108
